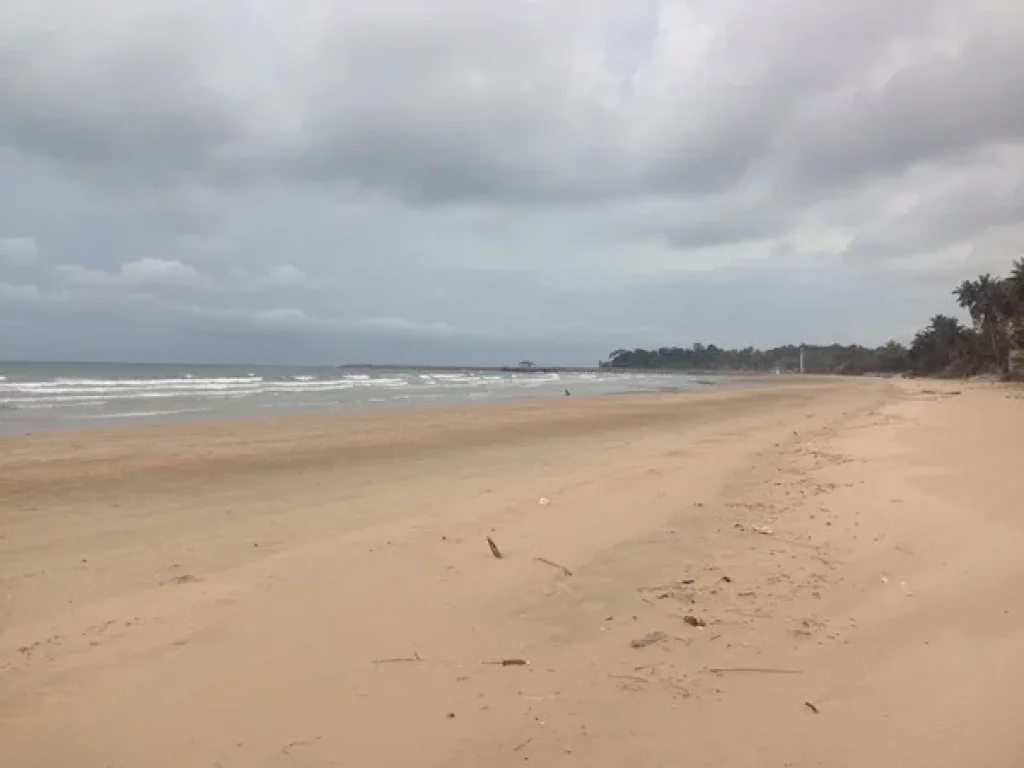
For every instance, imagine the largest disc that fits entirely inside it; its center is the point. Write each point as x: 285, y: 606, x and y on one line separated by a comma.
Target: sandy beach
x: 821, y: 572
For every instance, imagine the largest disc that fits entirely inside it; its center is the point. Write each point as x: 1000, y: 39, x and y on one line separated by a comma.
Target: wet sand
x: 821, y: 573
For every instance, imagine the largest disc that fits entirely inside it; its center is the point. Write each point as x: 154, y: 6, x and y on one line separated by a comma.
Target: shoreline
x: 344, y: 409
x: 61, y: 397
x: 301, y: 590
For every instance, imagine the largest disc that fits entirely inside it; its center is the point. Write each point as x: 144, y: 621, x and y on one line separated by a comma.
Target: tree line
x: 944, y: 347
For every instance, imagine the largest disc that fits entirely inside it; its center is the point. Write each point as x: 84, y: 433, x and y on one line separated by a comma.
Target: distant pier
x: 535, y: 369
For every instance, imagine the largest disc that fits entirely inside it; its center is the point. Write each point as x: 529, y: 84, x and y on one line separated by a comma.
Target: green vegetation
x: 945, y: 347
x: 832, y: 359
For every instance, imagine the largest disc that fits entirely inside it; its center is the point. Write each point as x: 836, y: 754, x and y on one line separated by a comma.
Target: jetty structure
x: 529, y: 367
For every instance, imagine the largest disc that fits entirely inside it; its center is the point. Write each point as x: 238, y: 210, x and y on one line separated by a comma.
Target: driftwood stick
x: 767, y: 670
x: 494, y: 548
x: 553, y: 564
x: 630, y: 678
x: 395, y: 659
x: 509, y: 662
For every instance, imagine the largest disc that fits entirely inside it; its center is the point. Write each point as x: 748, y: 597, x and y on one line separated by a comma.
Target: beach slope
x: 813, y: 573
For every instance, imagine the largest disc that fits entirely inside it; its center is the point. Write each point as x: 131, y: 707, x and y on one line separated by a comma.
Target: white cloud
x: 9, y: 291
x: 146, y: 272
x: 158, y: 272
x: 19, y: 251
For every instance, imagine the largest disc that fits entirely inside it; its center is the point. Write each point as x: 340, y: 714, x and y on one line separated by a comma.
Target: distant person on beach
x: 567, y: 393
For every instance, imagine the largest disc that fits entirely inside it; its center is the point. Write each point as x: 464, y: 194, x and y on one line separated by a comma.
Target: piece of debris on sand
x: 565, y: 571
x: 494, y: 548
x: 651, y: 638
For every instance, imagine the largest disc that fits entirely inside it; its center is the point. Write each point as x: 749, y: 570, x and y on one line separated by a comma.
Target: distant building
x: 526, y: 364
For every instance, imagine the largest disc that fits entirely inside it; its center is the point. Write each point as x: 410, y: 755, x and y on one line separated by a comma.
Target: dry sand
x: 319, y: 591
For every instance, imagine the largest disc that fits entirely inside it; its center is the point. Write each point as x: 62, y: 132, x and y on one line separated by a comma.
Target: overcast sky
x: 485, y: 180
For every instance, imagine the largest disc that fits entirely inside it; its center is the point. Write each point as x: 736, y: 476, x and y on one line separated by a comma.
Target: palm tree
x: 943, y: 346
x: 989, y: 302
x: 1015, y: 300
x: 1016, y: 280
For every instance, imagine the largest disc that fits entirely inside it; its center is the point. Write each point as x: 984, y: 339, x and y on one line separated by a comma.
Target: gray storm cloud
x: 530, y: 176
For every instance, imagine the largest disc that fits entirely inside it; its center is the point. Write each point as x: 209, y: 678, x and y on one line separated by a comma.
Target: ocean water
x: 45, y: 396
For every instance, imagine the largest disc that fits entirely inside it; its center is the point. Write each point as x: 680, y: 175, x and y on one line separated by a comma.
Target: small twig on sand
x: 395, y: 659
x: 770, y: 670
x: 509, y: 662
x: 516, y: 749
x: 553, y: 564
x: 630, y: 678
x: 494, y: 548
x: 666, y: 587
x: 811, y: 707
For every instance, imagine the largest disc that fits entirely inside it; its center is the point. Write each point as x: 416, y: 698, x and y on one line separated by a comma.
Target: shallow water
x: 45, y: 396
